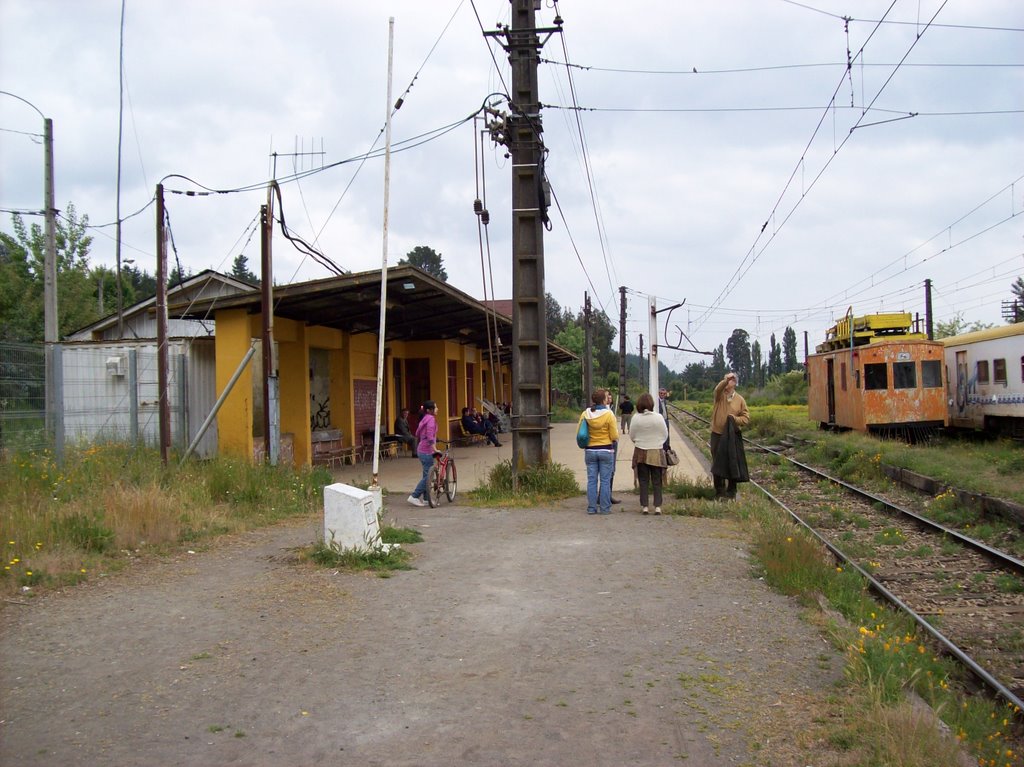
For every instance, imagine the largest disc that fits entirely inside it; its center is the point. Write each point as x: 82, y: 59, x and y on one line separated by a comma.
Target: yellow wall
x: 293, y: 384
x: 234, y: 421
x: 349, y: 358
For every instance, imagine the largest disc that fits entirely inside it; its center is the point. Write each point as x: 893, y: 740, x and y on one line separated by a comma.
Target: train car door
x: 830, y: 389
x: 960, y: 395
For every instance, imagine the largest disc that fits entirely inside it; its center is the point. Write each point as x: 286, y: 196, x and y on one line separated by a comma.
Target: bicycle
x: 443, y: 477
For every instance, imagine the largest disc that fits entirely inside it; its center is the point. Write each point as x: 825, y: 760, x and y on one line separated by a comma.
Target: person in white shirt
x: 649, y: 432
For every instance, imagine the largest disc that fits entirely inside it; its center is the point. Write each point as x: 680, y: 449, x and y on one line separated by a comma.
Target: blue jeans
x: 427, y: 459
x: 600, y: 467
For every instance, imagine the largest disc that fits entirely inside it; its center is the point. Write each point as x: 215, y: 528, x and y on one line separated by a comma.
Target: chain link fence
x: 23, y: 398
x: 106, y: 393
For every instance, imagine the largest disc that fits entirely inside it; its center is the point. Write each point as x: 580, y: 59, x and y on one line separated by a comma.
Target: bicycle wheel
x: 434, y: 487
x: 450, y: 481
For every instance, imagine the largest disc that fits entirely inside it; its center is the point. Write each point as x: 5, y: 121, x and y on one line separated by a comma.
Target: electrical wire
x: 602, y: 234
x: 754, y: 253
x: 700, y: 71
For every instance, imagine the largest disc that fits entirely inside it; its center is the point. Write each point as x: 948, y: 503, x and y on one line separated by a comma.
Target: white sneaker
x: 643, y: 510
x: 416, y: 501
x: 657, y: 509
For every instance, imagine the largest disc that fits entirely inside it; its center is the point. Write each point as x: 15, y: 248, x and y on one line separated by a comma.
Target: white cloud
x: 213, y: 88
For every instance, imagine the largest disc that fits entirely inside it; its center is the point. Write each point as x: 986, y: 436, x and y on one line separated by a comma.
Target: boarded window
x: 842, y: 375
x: 931, y: 374
x: 904, y: 375
x: 875, y: 376
x: 999, y: 371
x: 983, y: 371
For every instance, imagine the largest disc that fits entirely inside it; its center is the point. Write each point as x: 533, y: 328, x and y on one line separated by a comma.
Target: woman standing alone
x: 728, y: 417
x: 648, y: 432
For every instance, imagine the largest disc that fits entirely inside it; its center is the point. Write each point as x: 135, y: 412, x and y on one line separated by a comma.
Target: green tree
x: 143, y: 283
x: 606, y: 357
x: 717, y: 369
x: 956, y: 326
x: 21, y: 305
x: 426, y: 259
x: 558, y: 319
x: 1017, y: 308
x: 789, y: 359
x: 774, y: 359
x: 240, y: 270
x: 25, y: 264
x: 737, y: 349
x: 756, y: 364
x: 567, y: 377
x: 106, y: 290
x: 696, y: 376
x: 177, y: 276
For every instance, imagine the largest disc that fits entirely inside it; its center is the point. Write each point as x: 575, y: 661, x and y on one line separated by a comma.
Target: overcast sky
x: 721, y: 154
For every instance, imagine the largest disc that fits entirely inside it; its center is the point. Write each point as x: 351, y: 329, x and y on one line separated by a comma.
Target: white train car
x: 985, y: 380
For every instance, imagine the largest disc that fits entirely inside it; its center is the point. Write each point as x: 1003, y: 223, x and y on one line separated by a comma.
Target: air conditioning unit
x: 115, y: 366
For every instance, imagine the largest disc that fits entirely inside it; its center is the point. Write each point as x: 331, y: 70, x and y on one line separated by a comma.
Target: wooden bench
x: 462, y: 437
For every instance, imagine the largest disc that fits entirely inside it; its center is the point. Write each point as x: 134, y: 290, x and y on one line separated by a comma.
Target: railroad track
x: 968, y: 596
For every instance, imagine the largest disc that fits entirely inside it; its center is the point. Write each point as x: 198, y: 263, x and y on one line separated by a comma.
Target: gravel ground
x: 523, y: 637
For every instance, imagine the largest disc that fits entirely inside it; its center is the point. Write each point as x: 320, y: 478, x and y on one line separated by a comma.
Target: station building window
x: 982, y: 371
x: 876, y: 376
x: 453, y: 389
x: 999, y: 371
x: 931, y: 374
x: 904, y: 375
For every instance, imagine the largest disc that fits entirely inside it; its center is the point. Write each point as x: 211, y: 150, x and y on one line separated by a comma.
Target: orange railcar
x: 877, y: 380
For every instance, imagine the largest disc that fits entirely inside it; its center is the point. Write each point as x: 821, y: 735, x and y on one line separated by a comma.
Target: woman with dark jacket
x: 729, y: 417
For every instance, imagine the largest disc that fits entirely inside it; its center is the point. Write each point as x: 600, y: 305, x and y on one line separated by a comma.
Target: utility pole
x: 653, y: 332
x: 622, y: 340
x: 51, y: 330
x: 806, y: 354
x: 641, y: 361
x: 531, y: 439
x: 588, y: 346
x: 271, y: 423
x: 928, y: 308
x: 161, y: 328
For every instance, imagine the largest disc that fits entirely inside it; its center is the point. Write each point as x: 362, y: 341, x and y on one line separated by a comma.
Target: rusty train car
x: 874, y: 374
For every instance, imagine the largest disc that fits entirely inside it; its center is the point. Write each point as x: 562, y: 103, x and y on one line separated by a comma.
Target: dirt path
x: 536, y: 637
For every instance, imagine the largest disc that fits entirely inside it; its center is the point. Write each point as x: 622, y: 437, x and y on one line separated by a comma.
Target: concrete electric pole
x: 531, y: 443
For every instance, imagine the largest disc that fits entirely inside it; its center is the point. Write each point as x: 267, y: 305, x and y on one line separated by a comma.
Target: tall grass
x: 886, y: 658
x: 533, y: 485
x: 59, y: 525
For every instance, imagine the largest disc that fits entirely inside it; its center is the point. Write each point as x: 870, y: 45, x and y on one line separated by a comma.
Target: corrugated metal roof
x: 419, y: 308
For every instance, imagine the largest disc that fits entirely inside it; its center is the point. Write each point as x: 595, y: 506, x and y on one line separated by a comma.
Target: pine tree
x: 426, y: 259
x: 240, y: 270
x: 789, y: 359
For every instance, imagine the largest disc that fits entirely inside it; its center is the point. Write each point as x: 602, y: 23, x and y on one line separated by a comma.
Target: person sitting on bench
x: 473, y: 425
x: 403, y: 432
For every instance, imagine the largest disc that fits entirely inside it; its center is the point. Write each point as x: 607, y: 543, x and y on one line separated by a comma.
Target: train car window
x: 1022, y: 369
x: 904, y: 375
x: 931, y: 374
x: 983, y: 371
x: 876, y: 376
x: 999, y: 371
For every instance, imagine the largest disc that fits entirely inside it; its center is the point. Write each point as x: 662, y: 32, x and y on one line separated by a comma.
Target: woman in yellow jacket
x: 599, y: 454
